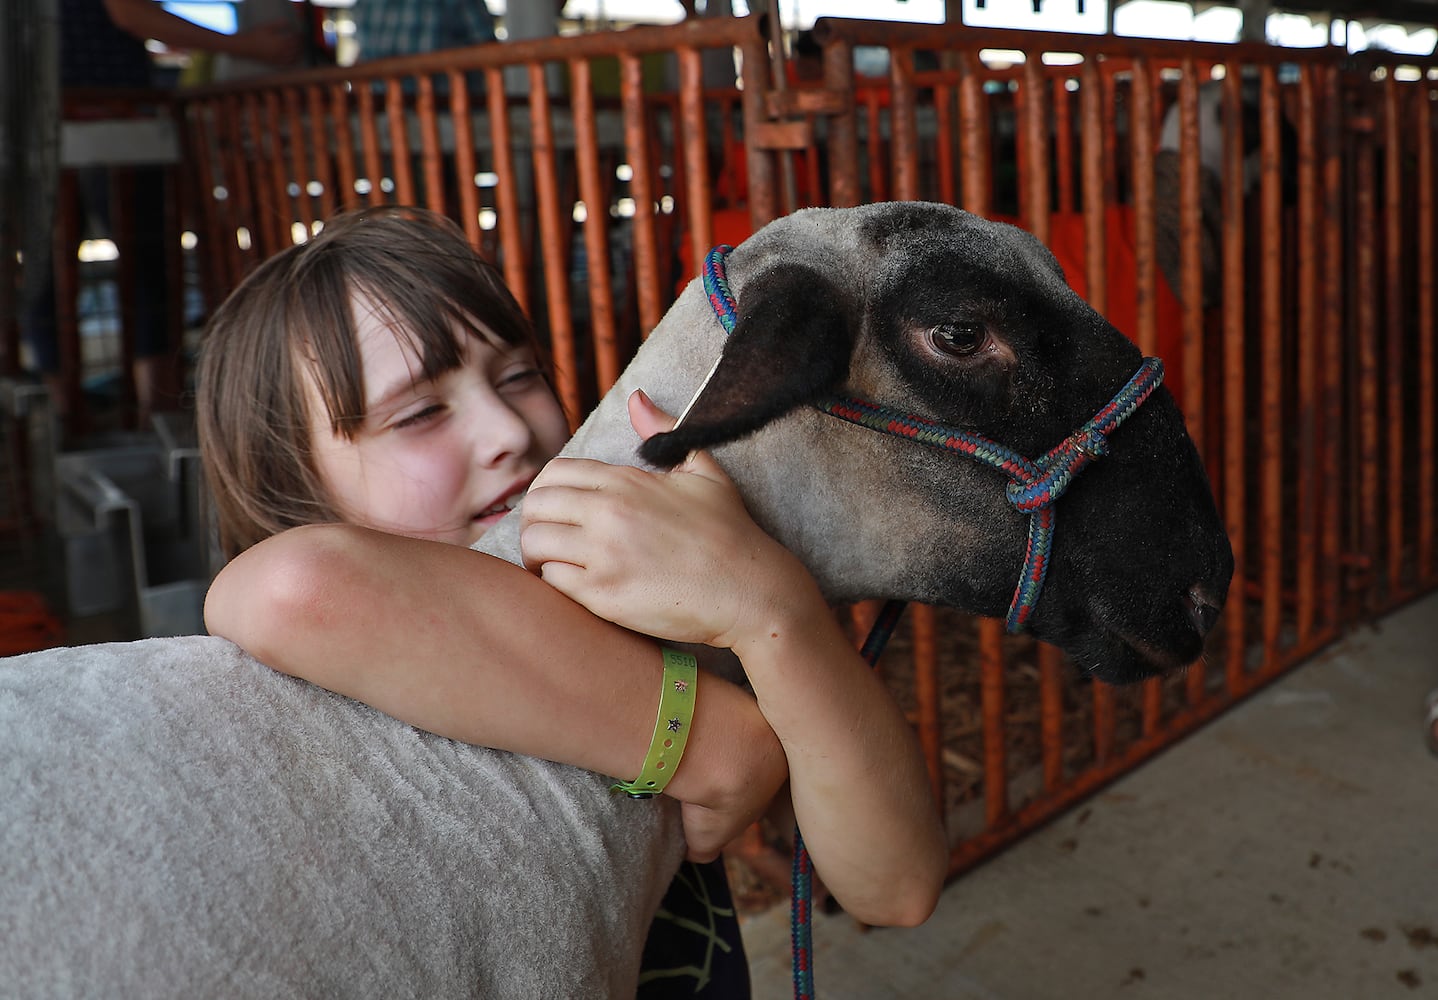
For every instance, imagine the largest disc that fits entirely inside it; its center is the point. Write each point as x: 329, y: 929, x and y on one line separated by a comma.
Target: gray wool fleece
x: 180, y: 821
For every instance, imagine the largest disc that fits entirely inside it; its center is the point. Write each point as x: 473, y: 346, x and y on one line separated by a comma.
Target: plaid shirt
x: 412, y: 27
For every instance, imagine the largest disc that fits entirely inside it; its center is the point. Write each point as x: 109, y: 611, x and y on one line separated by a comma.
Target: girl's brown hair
x: 292, y: 319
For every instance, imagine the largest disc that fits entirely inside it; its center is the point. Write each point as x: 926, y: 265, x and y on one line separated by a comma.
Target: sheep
x: 179, y: 820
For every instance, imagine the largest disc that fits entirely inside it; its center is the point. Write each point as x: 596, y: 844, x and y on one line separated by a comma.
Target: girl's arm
x: 608, y: 536
x: 476, y: 649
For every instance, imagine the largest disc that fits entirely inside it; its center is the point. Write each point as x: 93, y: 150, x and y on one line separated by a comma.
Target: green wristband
x: 671, y: 727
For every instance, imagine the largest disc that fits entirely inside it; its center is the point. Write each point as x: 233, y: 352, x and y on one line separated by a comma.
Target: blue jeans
x: 150, y: 270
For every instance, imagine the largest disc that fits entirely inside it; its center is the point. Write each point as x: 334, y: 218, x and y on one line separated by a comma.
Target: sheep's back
x: 178, y: 820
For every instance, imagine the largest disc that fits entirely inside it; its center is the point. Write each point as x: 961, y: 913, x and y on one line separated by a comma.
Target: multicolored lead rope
x: 1034, y: 487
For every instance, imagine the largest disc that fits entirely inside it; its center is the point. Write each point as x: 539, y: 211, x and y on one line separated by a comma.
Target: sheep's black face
x: 976, y: 320
x: 969, y: 323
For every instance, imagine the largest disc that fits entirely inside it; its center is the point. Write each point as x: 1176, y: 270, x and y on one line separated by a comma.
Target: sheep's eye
x: 959, y: 339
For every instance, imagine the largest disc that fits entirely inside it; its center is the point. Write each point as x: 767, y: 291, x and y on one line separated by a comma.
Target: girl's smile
x: 442, y: 458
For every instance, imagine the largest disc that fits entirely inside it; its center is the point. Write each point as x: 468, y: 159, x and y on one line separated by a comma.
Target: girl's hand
x: 674, y: 555
x: 707, y: 830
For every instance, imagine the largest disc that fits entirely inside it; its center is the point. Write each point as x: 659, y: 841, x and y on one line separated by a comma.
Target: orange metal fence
x: 1304, y: 362
x: 1306, y: 371
x: 607, y: 175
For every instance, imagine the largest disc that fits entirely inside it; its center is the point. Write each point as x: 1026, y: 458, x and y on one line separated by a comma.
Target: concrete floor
x: 1287, y: 851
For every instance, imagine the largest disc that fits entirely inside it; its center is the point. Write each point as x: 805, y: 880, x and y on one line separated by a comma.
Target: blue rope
x: 1034, y: 485
x: 801, y: 898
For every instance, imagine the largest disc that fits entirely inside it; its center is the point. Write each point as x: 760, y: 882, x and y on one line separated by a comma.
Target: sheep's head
x: 968, y: 323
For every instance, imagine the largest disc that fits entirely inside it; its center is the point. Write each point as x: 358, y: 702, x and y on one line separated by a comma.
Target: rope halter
x: 1035, y: 485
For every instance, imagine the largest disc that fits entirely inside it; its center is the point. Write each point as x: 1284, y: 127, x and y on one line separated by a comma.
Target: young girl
x: 369, y: 403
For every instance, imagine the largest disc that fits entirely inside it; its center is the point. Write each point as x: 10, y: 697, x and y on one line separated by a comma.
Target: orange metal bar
x: 1307, y: 346
x: 991, y: 700
x: 641, y: 187
x: 973, y: 138
x: 1064, y: 144
x: 903, y: 126
x: 1145, y: 258
x: 1051, y: 715
x: 1332, y: 339
x: 813, y: 175
x: 431, y: 157
x: 399, y: 163
x: 1022, y: 157
x: 369, y: 140
x: 944, y: 97
x: 197, y: 140
x: 1110, y: 140
x: 1195, y: 354
x: 1035, y: 129
x: 1104, y: 723
x: 694, y: 155
x: 465, y: 168
x: 779, y: 84
x: 515, y: 256
x: 1398, y: 315
x: 1234, y: 349
x: 320, y: 147
x: 197, y: 121
x: 596, y: 222
x: 1091, y: 103
x: 279, y: 176
x: 1427, y: 274
x: 874, y: 140
x: 554, y: 236
x: 656, y: 156
x: 265, y: 236
x: 843, y: 128
x: 298, y: 160
x: 1273, y: 537
x: 754, y: 77
x: 1152, y: 712
x: 236, y: 180
x: 1365, y: 337
x: 926, y: 694
x: 1190, y: 222
x: 346, y: 197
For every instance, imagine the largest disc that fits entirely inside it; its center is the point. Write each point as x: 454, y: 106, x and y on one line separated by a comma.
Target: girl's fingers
x: 562, y: 577
x: 553, y: 542
x: 580, y: 473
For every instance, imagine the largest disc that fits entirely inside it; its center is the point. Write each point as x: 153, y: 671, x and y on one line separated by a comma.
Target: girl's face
x: 442, y: 459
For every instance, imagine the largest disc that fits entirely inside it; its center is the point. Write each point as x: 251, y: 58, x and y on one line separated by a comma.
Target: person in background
x: 102, y: 46
x: 385, y: 28
x: 285, y: 17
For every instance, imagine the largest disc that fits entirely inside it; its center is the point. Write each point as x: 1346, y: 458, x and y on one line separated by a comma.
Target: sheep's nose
x: 1202, y: 608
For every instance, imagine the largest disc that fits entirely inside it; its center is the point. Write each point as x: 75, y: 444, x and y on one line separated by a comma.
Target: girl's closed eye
x: 420, y: 416
x: 519, y: 378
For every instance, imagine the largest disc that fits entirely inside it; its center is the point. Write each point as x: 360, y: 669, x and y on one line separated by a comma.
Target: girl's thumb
x: 648, y: 419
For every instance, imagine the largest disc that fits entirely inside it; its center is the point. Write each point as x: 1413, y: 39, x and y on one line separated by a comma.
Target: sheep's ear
x: 791, y: 343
